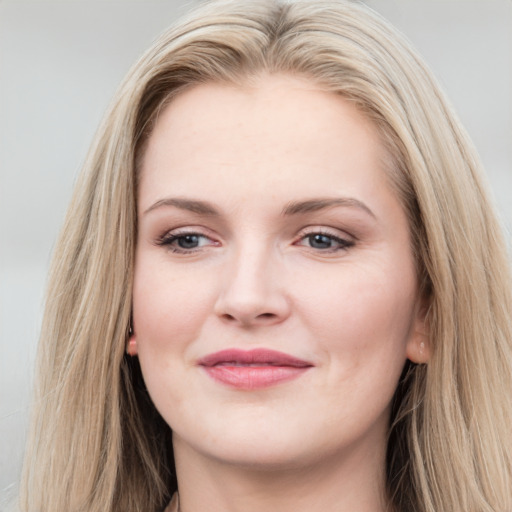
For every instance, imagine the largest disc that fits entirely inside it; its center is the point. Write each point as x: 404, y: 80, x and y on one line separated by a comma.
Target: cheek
x: 363, y: 315
x: 169, y: 312
x: 170, y: 306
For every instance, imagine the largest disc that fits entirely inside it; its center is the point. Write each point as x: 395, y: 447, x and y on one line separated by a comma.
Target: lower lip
x: 254, y: 377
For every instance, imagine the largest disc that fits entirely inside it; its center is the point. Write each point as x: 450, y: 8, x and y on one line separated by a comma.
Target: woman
x: 280, y: 250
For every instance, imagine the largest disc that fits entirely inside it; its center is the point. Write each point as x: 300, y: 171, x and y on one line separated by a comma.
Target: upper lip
x: 257, y: 356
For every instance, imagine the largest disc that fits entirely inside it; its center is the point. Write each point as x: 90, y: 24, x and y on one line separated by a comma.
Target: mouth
x: 253, y: 369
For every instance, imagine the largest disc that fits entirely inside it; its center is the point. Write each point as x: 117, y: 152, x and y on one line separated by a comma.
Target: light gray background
x: 60, y: 63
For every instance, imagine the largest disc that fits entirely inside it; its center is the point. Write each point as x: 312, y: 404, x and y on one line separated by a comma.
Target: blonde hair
x: 97, y: 443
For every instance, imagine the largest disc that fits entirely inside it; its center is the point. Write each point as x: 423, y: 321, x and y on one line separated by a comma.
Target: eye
x: 326, y: 242
x: 185, y: 242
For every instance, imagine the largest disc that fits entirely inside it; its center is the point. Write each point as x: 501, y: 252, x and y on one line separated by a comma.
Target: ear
x: 419, y: 347
x: 131, y: 346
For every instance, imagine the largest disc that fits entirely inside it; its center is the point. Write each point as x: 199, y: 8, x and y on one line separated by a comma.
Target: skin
x: 256, y: 278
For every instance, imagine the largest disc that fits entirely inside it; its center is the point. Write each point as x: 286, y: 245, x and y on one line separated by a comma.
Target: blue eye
x: 185, y: 242
x: 325, y: 242
x: 319, y: 241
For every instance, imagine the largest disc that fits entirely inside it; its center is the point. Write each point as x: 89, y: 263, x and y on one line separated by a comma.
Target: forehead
x: 279, y: 134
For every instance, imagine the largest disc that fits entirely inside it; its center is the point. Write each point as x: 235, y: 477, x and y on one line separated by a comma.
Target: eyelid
x: 341, y: 237
x: 326, y: 230
x: 165, y: 239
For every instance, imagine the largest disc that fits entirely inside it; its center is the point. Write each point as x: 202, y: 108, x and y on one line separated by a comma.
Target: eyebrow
x: 314, y: 205
x: 292, y: 208
x: 192, y: 205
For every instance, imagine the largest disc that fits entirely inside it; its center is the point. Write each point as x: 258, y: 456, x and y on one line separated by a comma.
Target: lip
x: 253, y: 369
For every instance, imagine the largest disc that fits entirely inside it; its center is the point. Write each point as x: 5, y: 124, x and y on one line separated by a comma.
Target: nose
x: 253, y: 292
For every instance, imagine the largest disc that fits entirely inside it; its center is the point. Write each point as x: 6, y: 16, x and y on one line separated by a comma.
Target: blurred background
x: 60, y: 64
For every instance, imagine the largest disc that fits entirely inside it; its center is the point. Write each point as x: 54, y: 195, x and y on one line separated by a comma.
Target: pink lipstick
x: 253, y: 369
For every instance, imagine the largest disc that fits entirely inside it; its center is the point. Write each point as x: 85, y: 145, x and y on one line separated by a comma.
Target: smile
x: 253, y: 369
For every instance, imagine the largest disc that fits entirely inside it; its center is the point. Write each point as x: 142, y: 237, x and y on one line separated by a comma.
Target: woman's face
x: 275, y: 294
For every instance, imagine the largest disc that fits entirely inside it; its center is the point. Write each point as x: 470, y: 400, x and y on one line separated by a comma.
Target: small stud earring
x: 131, y: 347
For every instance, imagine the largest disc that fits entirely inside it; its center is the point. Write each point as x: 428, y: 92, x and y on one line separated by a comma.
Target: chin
x: 261, y: 455
x: 269, y: 447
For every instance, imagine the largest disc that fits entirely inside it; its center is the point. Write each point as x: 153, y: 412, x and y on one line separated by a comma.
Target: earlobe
x: 131, y: 346
x: 419, y: 346
x: 418, y: 351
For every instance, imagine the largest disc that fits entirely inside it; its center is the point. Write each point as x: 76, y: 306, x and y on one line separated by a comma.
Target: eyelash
x: 343, y: 243
x: 168, y: 240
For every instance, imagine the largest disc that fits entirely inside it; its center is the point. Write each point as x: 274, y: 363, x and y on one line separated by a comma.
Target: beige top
x: 174, y: 505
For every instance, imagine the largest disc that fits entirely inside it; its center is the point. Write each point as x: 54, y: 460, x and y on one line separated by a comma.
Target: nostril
x: 263, y: 317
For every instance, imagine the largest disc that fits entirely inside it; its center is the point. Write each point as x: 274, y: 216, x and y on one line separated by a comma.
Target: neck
x: 348, y: 482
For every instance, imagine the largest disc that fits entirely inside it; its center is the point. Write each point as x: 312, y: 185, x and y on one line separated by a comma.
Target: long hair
x: 98, y: 444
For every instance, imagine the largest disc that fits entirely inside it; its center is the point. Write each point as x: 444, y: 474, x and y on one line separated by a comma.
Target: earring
x: 131, y: 346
